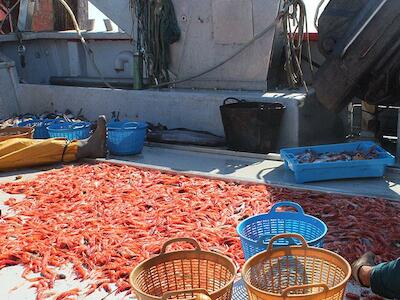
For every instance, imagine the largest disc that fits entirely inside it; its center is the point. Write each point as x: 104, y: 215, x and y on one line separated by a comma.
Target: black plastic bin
x: 251, y: 126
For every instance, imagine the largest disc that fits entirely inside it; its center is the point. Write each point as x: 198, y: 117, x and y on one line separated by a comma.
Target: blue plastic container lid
x: 68, y: 126
x: 127, y: 125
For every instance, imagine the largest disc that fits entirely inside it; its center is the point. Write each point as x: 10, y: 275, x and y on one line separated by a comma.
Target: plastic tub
x: 40, y: 126
x: 251, y: 126
x: 257, y: 231
x: 70, y: 130
x: 308, y: 172
x: 126, y: 138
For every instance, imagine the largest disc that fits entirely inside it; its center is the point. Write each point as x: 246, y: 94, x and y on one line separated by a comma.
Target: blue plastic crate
x: 70, y: 130
x: 309, y: 172
x: 126, y: 138
x: 40, y: 126
x: 256, y: 232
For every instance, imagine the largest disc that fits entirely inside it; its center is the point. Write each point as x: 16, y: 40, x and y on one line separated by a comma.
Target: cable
x: 308, y: 42
x: 316, y: 17
x: 8, y: 13
x: 285, y: 15
x: 295, y: 24
x: 83, y: 41
x: 258, y: 36
x: 314, y: 63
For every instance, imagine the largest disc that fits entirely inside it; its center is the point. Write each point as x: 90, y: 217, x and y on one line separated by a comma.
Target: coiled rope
x: 294, y: 18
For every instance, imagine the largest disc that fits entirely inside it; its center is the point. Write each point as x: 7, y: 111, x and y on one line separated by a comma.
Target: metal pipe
x: 123, y: 58
x: 125, y: 83
x: 137, y: 71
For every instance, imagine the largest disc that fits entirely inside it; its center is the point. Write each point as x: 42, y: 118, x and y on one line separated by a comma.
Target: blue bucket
x: 40, y: 126
x: 126, y: 138
x: 256, y: 232
x: 70, y: 130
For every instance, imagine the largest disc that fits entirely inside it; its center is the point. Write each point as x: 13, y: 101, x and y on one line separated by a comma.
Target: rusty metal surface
x: 63, y: 20
x: 43, y: 17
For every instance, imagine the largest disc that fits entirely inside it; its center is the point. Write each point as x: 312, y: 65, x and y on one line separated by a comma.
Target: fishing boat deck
x: 206, y: 162
x: 257, y: 168
x: 247, y: 167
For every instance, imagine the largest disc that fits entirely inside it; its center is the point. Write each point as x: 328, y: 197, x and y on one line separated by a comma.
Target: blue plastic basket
x: 308, y: 172
x: 70, y: 130
x: 126, y: 138
x: 256, y: 232
x: 40, y: 126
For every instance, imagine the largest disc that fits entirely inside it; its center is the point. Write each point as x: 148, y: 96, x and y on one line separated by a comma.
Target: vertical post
x: 83, y: 14
x: 368, y: 120
x: 398, y: 138
x: 26, y: 10
x: 137, y: 71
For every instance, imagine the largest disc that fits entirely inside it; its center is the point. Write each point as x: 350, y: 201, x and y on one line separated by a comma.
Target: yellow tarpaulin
x: 21, y: 153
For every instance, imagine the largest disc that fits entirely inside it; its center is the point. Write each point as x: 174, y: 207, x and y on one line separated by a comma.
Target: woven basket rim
x: 249, y: 220
x: 246, y: 267
x: 165, y: 257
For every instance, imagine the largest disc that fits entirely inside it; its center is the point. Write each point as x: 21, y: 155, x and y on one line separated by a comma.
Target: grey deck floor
x: 205, y: 163
x: 256, y: 169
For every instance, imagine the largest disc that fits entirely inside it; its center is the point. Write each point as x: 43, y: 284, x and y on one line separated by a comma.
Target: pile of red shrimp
x: 104, y: 219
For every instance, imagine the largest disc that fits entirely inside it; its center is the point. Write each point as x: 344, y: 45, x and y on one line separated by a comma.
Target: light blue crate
x: 70, y: 130
x: 126, y: 138
x: 256, y: 232
x: 309, y: 172
x: 40, y: 126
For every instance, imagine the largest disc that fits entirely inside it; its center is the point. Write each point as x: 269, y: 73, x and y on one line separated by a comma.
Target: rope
x: 157, y: 28
x: 83, y: 41
x: 258, y: 36
x: 293, y: 49
x: 316, y: 17
x: 295, y: 24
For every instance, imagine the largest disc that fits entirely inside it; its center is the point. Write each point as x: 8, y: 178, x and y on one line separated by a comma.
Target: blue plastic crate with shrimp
x: 256, y: 232
x: 40, y: 125
x: 336, y: 168
x: 70, y: 130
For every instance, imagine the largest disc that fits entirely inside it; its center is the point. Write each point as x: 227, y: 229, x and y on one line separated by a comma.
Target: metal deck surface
x: 254, y: 168
x: 204, y: 162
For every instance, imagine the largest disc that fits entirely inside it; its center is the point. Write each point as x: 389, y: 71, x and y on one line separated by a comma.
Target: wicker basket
x: 186, y: 274
x: 296, y: 272
x: 16, y: 132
